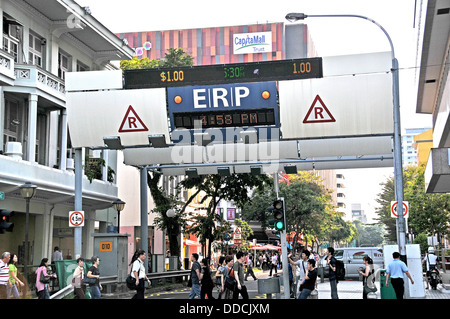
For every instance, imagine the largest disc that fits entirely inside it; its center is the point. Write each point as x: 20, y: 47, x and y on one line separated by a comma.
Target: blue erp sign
x: 223, y: 106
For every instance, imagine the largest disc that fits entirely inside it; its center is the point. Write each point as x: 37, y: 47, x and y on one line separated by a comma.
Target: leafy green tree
x: 429, y: 213
x: 309, y: 209
x: 137, y: 63
x: 369, y: 234
x: 176, y: 58
x: 214, y: 188
x: 246, y: 232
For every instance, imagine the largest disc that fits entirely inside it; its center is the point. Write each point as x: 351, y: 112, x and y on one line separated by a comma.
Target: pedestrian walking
x: 367, y: 274
x: 4, y: 274
x: 195, y: 277
x: 309, y: 281
x: 265, y: 260
x: 14, y: 281
x: 227, y: 292
x: 220, y: 275
x: 43, y: 279
x: 94, y: 272
x: 138, y: 273
x: 395, y: 271
x: 332, y: 264
x: 250, y: 269
x: 79, y: 288
x: 274, y: 264
x: 238, y: 269
x: 206, y: 282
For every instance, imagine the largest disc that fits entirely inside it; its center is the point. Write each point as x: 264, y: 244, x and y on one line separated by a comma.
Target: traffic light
x: 5, y: 225
x: 277, y: 209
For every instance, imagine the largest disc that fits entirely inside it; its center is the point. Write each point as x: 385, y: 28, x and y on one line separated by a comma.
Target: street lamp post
x: 27, y: 191
x: 118, y: 206
x: 398, y: 169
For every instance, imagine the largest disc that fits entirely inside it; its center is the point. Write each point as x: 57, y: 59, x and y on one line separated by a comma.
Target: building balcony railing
x: 55, y: 185
x: 6, y: 68
x: 35, y: 77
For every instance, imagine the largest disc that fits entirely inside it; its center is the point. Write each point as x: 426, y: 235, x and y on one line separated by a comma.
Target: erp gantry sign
x: 223, y: 107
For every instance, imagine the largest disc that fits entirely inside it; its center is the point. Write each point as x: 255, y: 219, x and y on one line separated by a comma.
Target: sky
x: 331, y: 36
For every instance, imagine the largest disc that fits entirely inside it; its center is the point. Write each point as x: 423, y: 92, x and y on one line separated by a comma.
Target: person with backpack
x: 332, y: 264
x: 368, y: 275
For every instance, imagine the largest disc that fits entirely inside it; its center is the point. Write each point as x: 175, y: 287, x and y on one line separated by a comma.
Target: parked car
x: 353, y: 259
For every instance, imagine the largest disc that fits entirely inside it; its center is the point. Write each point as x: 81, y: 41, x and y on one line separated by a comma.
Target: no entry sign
x: 76, y: 218
x: 394, y: 210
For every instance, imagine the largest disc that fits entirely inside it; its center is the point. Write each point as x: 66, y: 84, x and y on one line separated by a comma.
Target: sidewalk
x: 353, y: 289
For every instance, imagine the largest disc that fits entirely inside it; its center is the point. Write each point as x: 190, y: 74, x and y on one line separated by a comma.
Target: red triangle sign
x: 132, y: 122
x: 318, y: 113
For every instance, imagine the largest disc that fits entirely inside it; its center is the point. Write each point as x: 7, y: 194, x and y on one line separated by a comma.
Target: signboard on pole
x: 394, y: 210
x: 237, y: 236
x: 76, y: 218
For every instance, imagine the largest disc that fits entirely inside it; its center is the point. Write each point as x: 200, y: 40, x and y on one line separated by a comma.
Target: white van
x: 353, y: 259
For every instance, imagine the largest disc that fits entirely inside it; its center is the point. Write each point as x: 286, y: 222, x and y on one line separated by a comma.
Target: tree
x: 137, y: 63
x: 369, y: 234
x: 246, y: 232
x: 176, y: 58
x: 428, y: 213
x: 309, y: 209
x: 214, y: 188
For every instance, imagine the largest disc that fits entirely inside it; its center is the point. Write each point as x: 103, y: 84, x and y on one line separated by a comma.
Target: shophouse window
x: 36, y: 50
x: 63, y: 65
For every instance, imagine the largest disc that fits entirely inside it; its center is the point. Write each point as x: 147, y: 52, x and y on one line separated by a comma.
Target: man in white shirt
x: 430, y: 261
x: 138, y: 272
x: 274, y: 264
x: 4, y: 274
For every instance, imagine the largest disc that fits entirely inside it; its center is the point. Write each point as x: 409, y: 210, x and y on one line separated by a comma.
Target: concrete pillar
x: 88, y: 229
x: 63, y: 146
x: 32, y: 127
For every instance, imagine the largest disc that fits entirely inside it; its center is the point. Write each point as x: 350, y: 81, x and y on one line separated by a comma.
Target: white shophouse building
x: 40, y: 42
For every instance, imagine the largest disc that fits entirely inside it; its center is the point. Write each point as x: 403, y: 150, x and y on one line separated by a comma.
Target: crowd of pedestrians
x: 232, y: 272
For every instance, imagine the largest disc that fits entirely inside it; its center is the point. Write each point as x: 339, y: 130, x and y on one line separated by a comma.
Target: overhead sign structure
x: 222, y: 106
x: 394, y: 209
x: 224, y: 73
x: 76, y: 218
x: 354, y: 98
x: 132, y: 115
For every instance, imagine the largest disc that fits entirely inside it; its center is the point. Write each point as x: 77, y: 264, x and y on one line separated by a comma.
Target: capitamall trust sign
x: 257, y: 42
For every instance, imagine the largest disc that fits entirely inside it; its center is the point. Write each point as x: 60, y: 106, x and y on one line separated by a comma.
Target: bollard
x: 268, y: 287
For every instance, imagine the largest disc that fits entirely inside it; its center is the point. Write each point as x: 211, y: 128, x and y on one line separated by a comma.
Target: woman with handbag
x: 42, y: 280
x: 368, y: 277
x: 229, y: 283
x: 77, y: 280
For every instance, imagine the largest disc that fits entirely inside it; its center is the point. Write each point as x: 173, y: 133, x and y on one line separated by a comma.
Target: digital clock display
x: 225, y: 73
x: 236, y: 118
